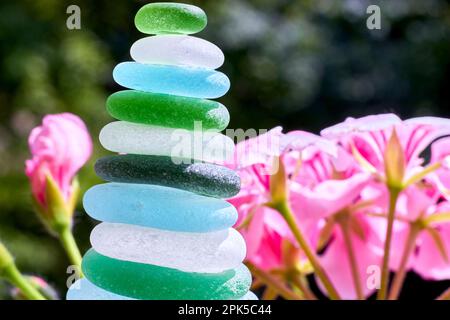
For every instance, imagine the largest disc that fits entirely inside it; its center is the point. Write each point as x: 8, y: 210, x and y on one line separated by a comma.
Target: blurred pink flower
x: 59, y: 148
x: 41, y: 285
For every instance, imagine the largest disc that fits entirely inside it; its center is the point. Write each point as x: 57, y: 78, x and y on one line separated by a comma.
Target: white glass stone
x: 249, y: 296
x: 83, y: 289
x: 127, y: 137
x: 177, y: 50
x: 209, y: 252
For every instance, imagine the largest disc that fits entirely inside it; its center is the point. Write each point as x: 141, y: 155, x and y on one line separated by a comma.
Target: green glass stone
x: 150, y: 282
x: 203, y: 178
x: 167, y: 110
x: 166, y: 18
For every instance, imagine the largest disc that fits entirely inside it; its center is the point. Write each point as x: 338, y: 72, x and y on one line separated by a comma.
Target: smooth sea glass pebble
x: 249, y: 296
x: 127, y: 137
x: 167, y: 110
x: 203, y: 178
x: 176, y: 80
x: 208, y: 252
x: 158, y: 207
x: 177, y: 50
x: 146, y: 281
x: 160, y: 18
x: 83, y: 289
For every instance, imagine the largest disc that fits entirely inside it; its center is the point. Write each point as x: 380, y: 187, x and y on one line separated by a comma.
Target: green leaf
x: 58, y: 212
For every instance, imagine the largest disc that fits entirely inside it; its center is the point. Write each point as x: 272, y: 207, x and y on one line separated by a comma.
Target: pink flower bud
x: 59, y: 148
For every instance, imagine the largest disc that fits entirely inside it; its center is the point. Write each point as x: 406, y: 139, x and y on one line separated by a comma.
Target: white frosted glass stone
x: 209, y: 252
x: 249, y: 296
x: 177, y: 50
x: 83, y: 289
x: 133, y: 138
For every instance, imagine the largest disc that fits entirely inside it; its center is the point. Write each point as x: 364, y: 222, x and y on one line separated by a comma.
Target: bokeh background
x: 302, y: 64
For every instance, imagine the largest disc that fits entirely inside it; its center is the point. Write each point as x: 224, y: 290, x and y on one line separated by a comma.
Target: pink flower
x: 325, y: 193
x: 421, y: 209
x: 270, y: 243
x: 423, y: 186
x: 368, y: 136
x: 59, y: 148
x: 366, y: 247
x: 325, y: 185
x: 338, y: 188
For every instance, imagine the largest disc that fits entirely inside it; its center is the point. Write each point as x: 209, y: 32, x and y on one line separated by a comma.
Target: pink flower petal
x: 364, y: 124
x: 429, y: 262
x: 335, y: 260
x: 328, y: 197
x: 60, y: 147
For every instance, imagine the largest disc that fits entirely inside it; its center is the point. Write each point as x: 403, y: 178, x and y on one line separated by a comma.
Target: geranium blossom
x: 59, y: 148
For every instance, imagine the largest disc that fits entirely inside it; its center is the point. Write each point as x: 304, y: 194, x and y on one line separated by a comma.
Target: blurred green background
x: 303, y: 64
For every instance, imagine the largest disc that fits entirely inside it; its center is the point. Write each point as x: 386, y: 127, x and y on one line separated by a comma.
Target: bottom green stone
x: 150, y: 282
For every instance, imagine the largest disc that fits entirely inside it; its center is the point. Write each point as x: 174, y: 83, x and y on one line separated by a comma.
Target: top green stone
x: 167, y: 18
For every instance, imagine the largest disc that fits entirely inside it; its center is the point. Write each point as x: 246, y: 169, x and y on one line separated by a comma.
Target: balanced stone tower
x: 166, y: 230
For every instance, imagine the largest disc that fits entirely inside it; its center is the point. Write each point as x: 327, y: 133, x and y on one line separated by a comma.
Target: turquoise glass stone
x: 158, y: 207
x: 203, y: 178
x: 150, y: 282
x: 176, y: 80
x: 83, y: 289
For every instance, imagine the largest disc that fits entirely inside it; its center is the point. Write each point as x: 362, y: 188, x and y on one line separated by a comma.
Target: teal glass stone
x: 175, y: 80
x: 150, y: 282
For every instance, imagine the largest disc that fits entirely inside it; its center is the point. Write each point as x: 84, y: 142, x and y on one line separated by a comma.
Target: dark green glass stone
x: 203, y: 178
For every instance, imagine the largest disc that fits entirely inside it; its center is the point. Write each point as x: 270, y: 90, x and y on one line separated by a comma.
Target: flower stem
x: 393, y: 196
x: 71, y: 248
x: 298, y: 282
x: 401, y: 272
x: 12, y: 274
x: 286, y: 212
x: 445, y: 295
x: 269, y: 294
x: 352, y: 259
x: 273, y: 283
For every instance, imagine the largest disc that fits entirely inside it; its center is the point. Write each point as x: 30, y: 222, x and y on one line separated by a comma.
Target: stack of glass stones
x: 166, y: 230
